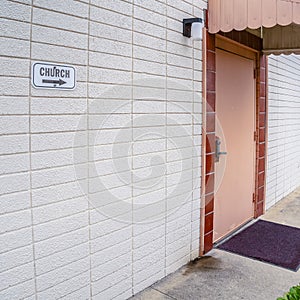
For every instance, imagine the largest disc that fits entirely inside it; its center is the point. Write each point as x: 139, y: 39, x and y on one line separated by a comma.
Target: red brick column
x: 210, y: 141
x: 261, y: 138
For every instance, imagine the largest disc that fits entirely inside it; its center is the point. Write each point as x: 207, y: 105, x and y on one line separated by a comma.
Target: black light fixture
x: 193, y: 28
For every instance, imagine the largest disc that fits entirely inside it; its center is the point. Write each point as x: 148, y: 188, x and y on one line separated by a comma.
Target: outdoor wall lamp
x: 193, y: 28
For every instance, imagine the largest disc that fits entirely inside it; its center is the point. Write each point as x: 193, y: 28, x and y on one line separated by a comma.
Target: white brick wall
x: 283, y: 168
x: 128, y: 138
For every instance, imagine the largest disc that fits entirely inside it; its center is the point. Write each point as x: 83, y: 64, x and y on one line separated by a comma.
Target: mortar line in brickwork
x: 193, y: 121
x: 87, y: 136
x: 131, y: 153
x: 166, y: 136
x: 30, y: 155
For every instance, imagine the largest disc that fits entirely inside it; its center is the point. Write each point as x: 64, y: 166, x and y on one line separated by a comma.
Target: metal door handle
x: 218, y: 149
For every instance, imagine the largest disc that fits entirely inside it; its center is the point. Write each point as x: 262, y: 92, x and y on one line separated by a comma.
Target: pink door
x: 235, y: 115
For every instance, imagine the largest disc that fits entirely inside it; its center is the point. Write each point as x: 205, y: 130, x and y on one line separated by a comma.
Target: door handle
x: 218, y: 150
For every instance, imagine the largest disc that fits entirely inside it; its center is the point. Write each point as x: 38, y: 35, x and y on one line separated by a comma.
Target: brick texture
x: 283, y: 163
x: 100, y: 186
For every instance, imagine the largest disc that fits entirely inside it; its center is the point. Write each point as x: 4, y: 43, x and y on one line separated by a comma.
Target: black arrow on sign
x: 59, y: 82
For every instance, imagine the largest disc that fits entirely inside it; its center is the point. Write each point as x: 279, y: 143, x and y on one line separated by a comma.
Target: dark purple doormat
x: 269, y: 242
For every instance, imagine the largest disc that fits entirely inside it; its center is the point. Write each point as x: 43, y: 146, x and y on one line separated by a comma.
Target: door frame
x: 237, y: 43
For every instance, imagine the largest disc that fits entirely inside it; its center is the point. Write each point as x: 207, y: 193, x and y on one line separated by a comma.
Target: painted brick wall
x: 96, y: 182
x: 283, y: 167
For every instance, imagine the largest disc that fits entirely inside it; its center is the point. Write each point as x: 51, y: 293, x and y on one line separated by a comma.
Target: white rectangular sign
x: 51, y: 76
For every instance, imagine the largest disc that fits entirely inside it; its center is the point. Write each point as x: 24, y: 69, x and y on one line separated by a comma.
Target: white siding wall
x: 138, y: 94
x: 283, y: 168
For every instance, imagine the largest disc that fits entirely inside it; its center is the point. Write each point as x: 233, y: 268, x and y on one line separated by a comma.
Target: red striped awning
x: 279, y: 21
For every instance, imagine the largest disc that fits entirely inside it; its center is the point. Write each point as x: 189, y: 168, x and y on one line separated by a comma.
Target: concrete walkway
x: 225, y: 276
x: 286, y: 211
